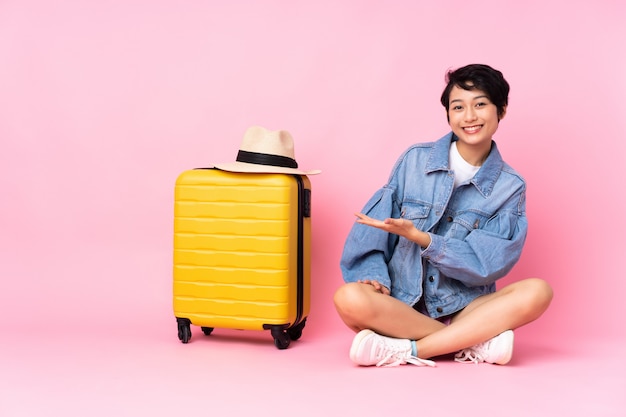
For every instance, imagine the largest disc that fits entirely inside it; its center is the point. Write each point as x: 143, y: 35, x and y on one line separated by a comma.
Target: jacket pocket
x: 417, y: 212
x: 466, y: 222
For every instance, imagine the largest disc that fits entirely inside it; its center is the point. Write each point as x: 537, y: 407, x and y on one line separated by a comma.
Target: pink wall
x: 102, y: 104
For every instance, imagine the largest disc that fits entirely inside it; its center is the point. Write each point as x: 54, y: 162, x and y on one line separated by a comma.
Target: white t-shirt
x: 463, y: 171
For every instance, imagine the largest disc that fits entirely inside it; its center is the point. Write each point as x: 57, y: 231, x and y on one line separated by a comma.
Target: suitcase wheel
x: 281, y: 337
x: 184, y: 330
x: 296, y: 332
x: 207, y: 330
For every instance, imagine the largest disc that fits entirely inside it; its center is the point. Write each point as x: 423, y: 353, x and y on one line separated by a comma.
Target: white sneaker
x: 498, y: 350
x: 369, y: 348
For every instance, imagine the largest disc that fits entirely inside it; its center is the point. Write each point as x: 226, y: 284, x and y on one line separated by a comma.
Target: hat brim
x: 261, y: 169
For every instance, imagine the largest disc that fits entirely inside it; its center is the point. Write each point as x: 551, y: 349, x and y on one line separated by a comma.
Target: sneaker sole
x: 356, y: 343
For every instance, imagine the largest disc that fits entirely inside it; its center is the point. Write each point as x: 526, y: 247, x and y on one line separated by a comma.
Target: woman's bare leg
x: 509, y: 308
x: 360, y: 306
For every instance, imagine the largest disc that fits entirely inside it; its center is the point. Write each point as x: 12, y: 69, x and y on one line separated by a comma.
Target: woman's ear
x: 502, y: 114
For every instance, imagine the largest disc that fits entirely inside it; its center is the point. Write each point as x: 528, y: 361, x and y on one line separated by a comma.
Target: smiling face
x: 473, y: 119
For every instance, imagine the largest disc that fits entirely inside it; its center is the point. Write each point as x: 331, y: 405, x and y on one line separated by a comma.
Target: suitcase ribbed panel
x: 235, y: 249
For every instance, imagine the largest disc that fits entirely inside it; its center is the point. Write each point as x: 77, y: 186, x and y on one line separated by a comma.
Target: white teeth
x: 471, y: 129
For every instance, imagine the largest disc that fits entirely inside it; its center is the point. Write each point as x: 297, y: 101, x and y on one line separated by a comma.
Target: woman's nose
x: 470, y: 114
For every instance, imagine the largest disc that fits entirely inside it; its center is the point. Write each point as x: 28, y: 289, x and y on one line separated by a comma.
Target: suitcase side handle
x: 306, y: 203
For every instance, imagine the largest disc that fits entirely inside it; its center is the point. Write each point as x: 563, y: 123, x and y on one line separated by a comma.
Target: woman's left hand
x: 400, y: 227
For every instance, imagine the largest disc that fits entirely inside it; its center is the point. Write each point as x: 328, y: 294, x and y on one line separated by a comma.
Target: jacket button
x: 439, y: 310
x: 431, y: 279
x: 449, y: 218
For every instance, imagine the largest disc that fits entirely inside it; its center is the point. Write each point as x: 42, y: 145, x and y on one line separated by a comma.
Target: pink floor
x: 135, y: 369
x: 112, y: 350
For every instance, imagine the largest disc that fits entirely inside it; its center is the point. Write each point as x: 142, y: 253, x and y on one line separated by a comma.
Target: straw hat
x: 265, y: 151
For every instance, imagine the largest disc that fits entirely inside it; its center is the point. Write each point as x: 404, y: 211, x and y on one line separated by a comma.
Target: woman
x: 420, y: 283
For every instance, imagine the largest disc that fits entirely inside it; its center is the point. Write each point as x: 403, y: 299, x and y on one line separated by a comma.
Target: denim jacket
x: 477, y: 231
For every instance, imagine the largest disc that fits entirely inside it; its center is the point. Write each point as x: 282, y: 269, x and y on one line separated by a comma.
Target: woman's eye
x: 457, y: 108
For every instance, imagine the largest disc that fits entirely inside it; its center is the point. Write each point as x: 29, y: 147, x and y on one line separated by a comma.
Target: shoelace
x: 474, y: 354
x: 395, y: 357
x: 396, y: 360
x: 469, y: 356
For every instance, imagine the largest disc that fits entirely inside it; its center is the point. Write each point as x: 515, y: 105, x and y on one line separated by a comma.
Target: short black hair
x: 478, y: 77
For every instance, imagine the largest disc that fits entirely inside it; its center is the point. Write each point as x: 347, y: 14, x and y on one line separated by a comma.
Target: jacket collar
x: 487, y: 175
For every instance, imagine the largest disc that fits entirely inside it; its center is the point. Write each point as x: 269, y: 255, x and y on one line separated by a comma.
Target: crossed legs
x: 361, y: 306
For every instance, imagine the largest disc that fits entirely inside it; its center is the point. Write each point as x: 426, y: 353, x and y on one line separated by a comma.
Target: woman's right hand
x: 377, y: 286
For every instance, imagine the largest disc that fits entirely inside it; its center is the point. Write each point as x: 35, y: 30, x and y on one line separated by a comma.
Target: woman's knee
x: 538, y: 294
x: 347, y: 295
x: 352, y: 299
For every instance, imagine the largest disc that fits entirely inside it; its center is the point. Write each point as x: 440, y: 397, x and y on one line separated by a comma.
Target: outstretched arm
x: 400, y: 227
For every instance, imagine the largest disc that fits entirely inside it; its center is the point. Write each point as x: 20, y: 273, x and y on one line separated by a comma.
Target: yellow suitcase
x: 242, y: 253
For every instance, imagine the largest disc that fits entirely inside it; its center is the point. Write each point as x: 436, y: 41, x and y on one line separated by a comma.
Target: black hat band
x: 266, y: 159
